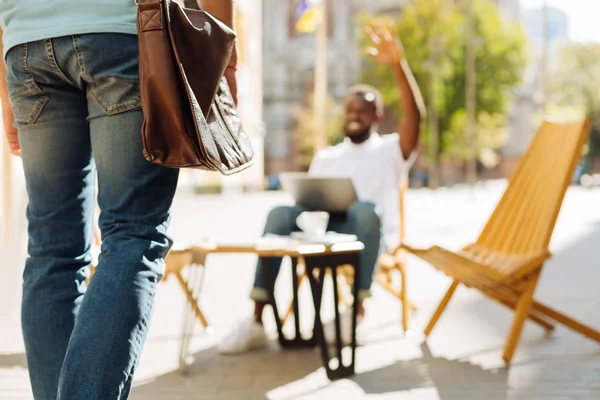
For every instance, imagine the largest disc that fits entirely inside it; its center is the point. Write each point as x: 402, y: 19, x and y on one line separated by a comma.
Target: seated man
x: 374, y: 162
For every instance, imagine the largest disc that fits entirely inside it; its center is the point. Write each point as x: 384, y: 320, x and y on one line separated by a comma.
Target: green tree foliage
x: 433, y: 34
x: 575, y: 84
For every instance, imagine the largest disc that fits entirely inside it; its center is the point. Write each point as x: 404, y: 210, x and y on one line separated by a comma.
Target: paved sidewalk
x: 461, y: 361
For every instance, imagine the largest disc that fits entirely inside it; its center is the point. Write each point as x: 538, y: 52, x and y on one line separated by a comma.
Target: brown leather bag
x: 190, y: 118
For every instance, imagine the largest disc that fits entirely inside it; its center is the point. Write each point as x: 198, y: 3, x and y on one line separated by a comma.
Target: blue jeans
x: 360, y: 220
x: 76, y: 103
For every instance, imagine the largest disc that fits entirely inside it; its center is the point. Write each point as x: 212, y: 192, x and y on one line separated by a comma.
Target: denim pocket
x: 27, y: 99
x: 116, y: 95
x: 109, y: 65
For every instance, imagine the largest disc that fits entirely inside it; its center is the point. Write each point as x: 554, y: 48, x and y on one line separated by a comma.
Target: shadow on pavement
x: 245, y: 376
x: 13, y: 360
x: 453, y: 380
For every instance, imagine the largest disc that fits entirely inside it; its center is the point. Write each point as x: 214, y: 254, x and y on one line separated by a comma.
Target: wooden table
x: 317, y: 258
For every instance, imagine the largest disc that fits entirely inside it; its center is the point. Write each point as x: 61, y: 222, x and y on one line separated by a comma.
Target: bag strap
x: 193, y: 4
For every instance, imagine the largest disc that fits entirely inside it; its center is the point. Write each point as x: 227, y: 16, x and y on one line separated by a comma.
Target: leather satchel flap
x: 190, y: 119
x: 203, y: 46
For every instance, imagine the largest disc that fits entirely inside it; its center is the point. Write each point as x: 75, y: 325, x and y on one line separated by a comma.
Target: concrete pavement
x: 461, y: 360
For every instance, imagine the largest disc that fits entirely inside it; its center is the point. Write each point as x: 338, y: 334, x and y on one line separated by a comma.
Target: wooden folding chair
x: 96, y: 244
x: 391, y: 274
x: 506, y: 260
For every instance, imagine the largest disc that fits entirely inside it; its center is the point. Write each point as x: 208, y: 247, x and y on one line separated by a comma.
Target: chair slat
x: 523, y: 220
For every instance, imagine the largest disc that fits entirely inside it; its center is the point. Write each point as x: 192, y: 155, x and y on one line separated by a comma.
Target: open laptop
x: 321, y: 193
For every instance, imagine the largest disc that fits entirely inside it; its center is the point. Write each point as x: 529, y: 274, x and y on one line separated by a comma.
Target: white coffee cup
x: 313, y: 222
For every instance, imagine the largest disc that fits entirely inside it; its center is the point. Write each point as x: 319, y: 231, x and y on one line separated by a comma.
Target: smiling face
x: 361, y: 117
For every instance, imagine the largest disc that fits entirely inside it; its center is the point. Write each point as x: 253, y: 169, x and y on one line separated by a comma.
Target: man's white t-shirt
x: 375, y: 167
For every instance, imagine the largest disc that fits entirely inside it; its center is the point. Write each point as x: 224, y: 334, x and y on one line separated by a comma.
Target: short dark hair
x: 368, y: 93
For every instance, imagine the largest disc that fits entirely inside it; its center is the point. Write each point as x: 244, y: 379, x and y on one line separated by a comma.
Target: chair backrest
x: 524, y: 219
x: 402, y: 203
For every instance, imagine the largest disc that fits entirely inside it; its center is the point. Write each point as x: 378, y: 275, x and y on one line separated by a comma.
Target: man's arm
x: 7, y: 115
x: 3, y: 89
x: 412, y: 106
x: 388, y: 50
x: 224, y: 11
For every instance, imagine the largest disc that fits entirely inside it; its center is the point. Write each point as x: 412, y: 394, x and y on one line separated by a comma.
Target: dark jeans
x: 77, y: 107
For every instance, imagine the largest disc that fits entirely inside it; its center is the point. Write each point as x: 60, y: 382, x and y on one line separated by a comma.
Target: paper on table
x: 329, y: 238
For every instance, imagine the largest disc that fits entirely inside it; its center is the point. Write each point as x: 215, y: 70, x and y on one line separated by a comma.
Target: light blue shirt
x: 25, y: 21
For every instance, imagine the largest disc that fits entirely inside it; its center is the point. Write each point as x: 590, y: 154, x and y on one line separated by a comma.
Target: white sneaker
x: 247, y: 336
x: 345, y: 328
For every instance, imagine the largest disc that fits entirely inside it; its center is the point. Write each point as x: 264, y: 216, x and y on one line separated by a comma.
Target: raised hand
x: 385, y: 47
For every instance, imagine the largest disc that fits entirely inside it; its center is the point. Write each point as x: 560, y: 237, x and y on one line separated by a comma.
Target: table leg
x: 321, y: 263
x: 192, y: 311
x: 297, y: 340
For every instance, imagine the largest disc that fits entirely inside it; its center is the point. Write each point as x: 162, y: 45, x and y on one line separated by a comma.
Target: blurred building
x: 557, y: 31
x: 509, y: 8
x: 529, y: 99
